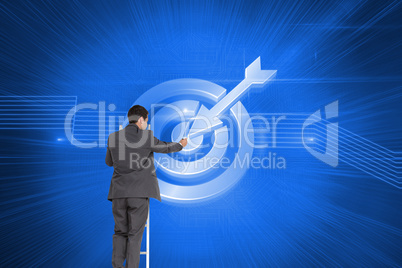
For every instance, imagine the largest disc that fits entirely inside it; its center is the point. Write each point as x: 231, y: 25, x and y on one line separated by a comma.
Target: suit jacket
x: 131, y: 152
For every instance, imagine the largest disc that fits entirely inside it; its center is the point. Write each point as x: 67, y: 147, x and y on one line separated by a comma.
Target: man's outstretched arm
x: 164, y: 147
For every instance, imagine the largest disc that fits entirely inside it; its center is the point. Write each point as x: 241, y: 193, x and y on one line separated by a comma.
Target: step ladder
x: 147, y: 246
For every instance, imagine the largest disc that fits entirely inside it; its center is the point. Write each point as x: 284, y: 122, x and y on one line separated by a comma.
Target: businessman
x: 131, y: 152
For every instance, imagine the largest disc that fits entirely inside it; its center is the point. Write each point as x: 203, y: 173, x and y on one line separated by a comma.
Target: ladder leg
x: 148, y: 238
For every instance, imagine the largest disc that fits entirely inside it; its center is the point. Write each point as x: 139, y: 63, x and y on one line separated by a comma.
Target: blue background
x: 61, y: 53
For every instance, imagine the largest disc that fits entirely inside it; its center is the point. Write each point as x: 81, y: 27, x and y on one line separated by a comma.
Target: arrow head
x: 207, y: 120
x: 204, y: 122
x: 258, y: 76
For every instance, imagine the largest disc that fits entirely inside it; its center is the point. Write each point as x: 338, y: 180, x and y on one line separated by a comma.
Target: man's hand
x: 183, y: 142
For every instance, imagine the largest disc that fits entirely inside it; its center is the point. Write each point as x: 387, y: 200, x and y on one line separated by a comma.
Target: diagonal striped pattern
x: 354, y: 150
x: 365, y: 155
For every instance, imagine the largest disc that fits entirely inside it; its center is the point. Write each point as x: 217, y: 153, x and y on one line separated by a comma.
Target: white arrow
x: 207, y: 120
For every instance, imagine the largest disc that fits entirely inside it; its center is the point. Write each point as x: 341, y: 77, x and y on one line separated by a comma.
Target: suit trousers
x: 130, y: 216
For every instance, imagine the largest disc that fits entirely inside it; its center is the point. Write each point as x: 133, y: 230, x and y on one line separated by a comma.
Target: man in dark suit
x: 131, y: 152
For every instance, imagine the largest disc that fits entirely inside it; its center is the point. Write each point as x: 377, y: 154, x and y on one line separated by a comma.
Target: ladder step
x: 143, y: 253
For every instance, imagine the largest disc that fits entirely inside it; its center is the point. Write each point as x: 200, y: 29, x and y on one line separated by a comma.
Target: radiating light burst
x: 54, y: 194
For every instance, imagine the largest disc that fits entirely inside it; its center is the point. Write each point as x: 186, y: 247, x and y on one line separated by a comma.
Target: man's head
x: 139, y: 116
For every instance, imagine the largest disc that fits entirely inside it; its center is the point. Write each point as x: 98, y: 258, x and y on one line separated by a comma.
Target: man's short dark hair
x: 135, y: 112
